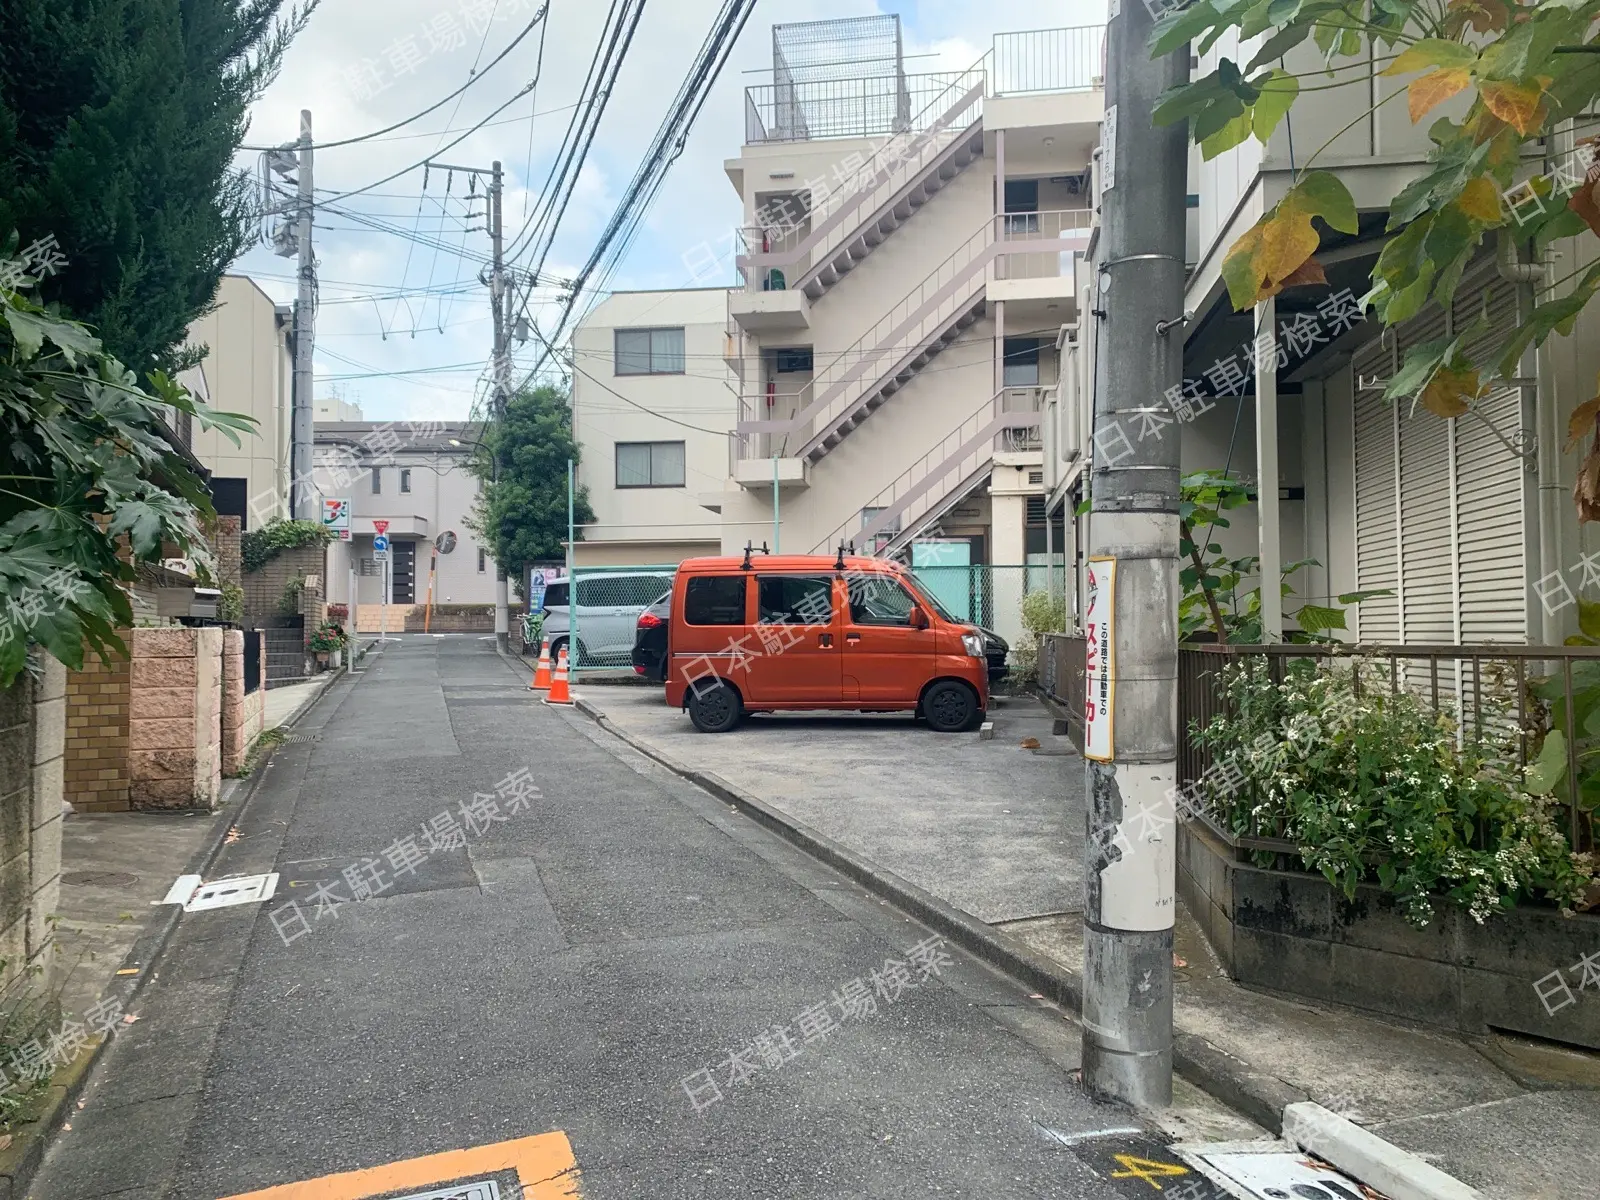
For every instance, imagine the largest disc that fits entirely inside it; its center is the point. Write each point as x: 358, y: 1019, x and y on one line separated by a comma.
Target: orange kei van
x: 774, y: 633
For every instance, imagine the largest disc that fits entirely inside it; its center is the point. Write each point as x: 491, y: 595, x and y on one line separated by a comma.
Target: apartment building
x: 1466, y: 523
x: 248, y: 368
x: 415, y: 476
x: 652, y: 403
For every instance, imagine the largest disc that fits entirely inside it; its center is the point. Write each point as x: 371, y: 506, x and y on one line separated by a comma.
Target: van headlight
x: 973, y: 644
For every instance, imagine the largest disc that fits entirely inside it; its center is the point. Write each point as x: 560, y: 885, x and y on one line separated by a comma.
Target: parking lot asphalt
x: 988, y: 826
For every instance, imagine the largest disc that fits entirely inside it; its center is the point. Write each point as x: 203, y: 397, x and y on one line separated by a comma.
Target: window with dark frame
x: 786, y: 362
x: 714, y: 600
x: 648, y: 351
x: 1021, y: 362
x: 650, y: 464
x: 1022, y: 206
x: 795, y: 599
x: 405, y: 479
x: 483, y: 557
x: 377, y: 481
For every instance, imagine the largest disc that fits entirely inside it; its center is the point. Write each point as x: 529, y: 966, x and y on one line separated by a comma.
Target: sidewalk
x: 997, y: 832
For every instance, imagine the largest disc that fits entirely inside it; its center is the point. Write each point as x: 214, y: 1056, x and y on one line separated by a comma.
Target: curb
x: 1396, y: 1173
x: 1254, y: 1094
x: 21, y: 1159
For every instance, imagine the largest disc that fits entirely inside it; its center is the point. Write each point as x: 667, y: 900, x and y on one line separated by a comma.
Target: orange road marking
x: 544, y: 1164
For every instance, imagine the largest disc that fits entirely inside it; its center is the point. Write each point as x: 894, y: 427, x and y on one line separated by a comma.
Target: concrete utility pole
x: 498, y: 295
x: 302, y: 502
x: 1131, y: 744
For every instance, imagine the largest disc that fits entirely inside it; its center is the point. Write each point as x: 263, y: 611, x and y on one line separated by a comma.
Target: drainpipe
x: 1529, y: 277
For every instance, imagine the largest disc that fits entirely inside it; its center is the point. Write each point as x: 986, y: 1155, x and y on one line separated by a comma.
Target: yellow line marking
x: 544, y: 1163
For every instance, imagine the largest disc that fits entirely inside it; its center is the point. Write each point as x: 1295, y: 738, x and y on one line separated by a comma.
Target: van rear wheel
x: 949, y: 707
x: 715, y: 709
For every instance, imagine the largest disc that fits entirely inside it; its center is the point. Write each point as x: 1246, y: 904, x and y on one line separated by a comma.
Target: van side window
x: 876, y: 600
x: 714, y: 600
x: 796, y: 600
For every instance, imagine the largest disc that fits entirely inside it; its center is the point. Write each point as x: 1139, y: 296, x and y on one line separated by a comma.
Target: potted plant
x: 327, y: 641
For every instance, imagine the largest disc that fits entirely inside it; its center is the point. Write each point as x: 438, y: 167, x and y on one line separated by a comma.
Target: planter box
x: 1291, y: 931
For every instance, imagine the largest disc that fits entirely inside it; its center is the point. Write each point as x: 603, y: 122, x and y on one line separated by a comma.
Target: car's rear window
x: 714, y: 600
x: 555, y: 595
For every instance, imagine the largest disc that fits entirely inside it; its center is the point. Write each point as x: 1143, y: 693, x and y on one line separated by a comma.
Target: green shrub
x: 1377, y: 788
x: 260, y: 546
x: 1042, y: 612
x: 230, y: 604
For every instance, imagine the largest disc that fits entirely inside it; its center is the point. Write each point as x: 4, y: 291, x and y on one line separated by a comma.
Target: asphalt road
x: 565, y: 967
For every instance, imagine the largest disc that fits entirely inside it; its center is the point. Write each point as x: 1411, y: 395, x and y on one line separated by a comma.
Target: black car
x: 650, y: 640
x: 995, y: 651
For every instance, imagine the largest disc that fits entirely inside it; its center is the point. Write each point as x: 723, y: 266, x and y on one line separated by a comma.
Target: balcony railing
x: 1048, y: 60
x: 1031, y: 61
x: 1042, y: 245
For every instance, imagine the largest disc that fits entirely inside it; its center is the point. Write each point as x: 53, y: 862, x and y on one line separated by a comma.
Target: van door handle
x: 825, y: 639
x: 852, y: 637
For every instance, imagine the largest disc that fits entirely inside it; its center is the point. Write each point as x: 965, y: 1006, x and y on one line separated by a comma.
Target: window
x: 1021, y: 362
x: 482, y: 560
x: 795, y: 600
x: 649, y: 464
x: 649, y: 351
x: 555, y: 595
x: 785, y: 362
x: 377, y: 480
x: 878, y: 600
x: 714, y: 600
x: 405, y: 479
x: 1022, y: 206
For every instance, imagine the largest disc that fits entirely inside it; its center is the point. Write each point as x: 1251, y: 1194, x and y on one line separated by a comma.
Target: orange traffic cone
x: 558, y: 686
x: 541, y: 676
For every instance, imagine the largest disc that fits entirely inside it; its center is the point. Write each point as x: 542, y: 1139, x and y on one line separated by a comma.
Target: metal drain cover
x: 101, y: 878
x: 197, y: 896
x: 483, y: 1189
x: 302, y: 737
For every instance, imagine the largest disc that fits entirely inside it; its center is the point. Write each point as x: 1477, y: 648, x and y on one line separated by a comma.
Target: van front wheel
x: 949, y: 707
x: 714, y: 709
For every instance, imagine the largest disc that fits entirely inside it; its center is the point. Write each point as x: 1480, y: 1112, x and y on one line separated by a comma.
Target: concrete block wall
x: 175, y: 718
x: 33, y: 726
x: 243, y: 716
x: 263, y: 589
x: 96, y: 765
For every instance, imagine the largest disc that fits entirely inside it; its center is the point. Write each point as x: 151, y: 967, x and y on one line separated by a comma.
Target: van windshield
x: 924, y: 596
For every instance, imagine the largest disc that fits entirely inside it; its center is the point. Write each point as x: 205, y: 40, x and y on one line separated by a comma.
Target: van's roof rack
x: 838, y: 564
x: 745, y: 565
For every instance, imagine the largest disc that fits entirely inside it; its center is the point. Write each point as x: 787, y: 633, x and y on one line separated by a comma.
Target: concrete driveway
x: 992, y: 828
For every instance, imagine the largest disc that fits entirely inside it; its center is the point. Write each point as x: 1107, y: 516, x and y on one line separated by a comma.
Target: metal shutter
x: 1377, y: 557
x: 1427, y: 527
x: 1489, y: 488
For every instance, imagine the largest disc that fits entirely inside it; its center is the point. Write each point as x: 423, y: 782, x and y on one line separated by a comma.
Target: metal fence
x: 1486, y: 690
x: 1047, y: 60
x: 597, y: 632
x: 869, y: 106
x: 984, y: 593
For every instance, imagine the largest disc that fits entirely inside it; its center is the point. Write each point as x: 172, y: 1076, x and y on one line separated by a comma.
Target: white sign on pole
x: 1100, y: 682
x: 1108, y: 149
x: 380, y: 547
x: 336, y: 515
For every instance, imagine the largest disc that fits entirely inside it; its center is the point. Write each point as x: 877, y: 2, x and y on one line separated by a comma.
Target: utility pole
x: 1131, y: 743
x: 302, y: 504
x: 498, y: 295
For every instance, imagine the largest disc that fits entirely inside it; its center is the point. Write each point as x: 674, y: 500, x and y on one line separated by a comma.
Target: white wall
x: 652, y: 525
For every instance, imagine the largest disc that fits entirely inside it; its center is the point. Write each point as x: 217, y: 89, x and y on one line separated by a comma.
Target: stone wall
x: 175, y: 718
x: 243, y: 716
x: 263, y: 589
x: 227, y: 547
x: 97, y: 735
x: 33, y: 724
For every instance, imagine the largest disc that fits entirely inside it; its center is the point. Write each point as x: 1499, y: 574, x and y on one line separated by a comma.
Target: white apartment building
x: 652, y: 403
x: 909, y: 251
x: 248, y: 369
x: 415, y: 476
x: 1468, y: 523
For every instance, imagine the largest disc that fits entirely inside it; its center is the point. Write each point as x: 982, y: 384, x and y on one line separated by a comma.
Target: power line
x: 367, y: 137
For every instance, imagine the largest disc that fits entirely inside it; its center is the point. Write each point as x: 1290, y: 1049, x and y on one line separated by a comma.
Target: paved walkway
x: 546, y: 984
x: 998, y: 832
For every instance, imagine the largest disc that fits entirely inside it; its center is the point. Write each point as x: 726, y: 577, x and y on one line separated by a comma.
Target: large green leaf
x: 1278, y: 92
x: 1548, y: 769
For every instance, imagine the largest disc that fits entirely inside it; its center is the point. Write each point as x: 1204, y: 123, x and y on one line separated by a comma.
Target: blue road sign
x: 380, y: 543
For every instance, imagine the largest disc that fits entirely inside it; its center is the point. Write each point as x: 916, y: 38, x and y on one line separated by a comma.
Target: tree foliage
x: 523, y: 514
x: 119, y: 121
x: 89, y: 485
x: 1530, y: 74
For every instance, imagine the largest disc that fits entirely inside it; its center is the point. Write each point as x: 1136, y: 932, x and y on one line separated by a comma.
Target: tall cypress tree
x: 119, y: 121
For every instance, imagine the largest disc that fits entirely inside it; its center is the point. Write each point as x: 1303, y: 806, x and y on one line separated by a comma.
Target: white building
x: 652, y: 403
x: 248, y: 369
x: 417, y: 478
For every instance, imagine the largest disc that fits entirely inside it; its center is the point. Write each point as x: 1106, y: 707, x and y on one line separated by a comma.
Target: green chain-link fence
x: 597, y: 632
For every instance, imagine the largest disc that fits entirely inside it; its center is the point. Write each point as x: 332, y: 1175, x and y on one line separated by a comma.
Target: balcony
x: 1037, y: 255
x: 770, y: 311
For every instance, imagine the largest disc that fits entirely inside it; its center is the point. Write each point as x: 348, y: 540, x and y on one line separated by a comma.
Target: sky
x: 359, y: 68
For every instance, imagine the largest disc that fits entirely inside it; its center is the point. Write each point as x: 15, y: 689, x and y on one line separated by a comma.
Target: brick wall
x: 33, y: 722
x: 227, y: 545
x: 263, y: 589
x: 96, y: 767
x: 243, y: 717
x: 175, y: 718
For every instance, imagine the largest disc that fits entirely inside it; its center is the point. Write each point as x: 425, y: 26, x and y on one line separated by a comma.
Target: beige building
x: 248, y: 369
x: 652, y: 403
x: 414, y: 475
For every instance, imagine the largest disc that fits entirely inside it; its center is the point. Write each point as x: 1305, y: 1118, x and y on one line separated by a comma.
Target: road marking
x: 544, y: 1164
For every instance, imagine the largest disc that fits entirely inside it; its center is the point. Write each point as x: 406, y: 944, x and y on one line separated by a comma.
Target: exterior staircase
x: 940, y: 479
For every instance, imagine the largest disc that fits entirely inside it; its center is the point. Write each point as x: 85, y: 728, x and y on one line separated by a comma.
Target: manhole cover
x: 100, y: 878
x: 483, y: 1189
